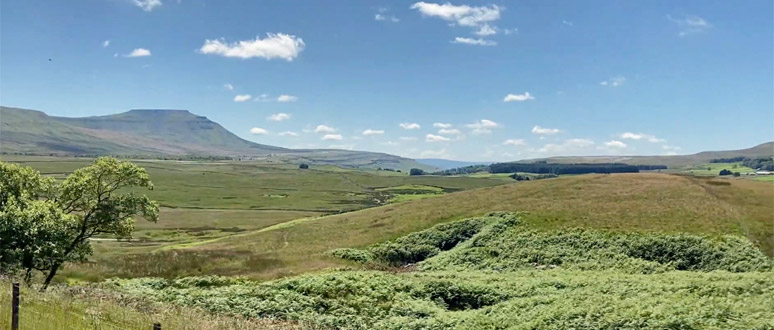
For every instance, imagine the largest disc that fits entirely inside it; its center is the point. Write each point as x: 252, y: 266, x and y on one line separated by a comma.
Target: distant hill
x: 677, y: 161
x: 446, y: 164
x: 159, y: 133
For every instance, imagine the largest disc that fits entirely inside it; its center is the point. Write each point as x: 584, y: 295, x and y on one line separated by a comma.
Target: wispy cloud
x: 279, y: 117
x: 383, y: 16
x: 615, y: 144
x: 372, y: 132
x: 410, y: 126
x: 483, y: 126
x: 242, y: 97
x: 568, y: 23
x: 334, y: 137
x: 442, y: 125
x: 228, y: 87
x: 275, y: 45
x: 287, y: 133
x: 476, y: 42
x: 436, y: 138
x: 147, y: 5
x: 449, y: 131
x: 139, y: 52
x: 463, y: 15
x: 568, y: 146
x: 515, y: 142
x: 641, y: 136
x: 518, y: 97
x: 287, y: 98
x: 690, y: 24
x: 614, y: 82
x: 105, y: 43
x: 545, y: 131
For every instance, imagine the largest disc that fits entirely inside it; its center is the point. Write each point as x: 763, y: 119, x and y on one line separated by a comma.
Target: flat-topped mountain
x: 158, y: 133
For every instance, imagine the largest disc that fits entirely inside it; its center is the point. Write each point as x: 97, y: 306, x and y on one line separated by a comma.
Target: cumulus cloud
x: 545, y: 131
x: 436, y: 138
x: 279, y: 117
x: 147, y: 5
x: 275, y: 45
x: 476, y: 42
x: 324, y: 129
x: 614, y: 82
x: 139, y: 52
x: 515, y: 142
x: 463, y: 15
x: 442, y: 125
x: 287, y: 133
x: 485, y: 30
x: 690, y: 24
x: 372, y: 132
x: 258, y: 131
x: 449, y: 131
x: 287, y: 98
x: 242, y: 97
x: 641, y: 136
x: 335, y: 137
x: 106, y: 43
x: 518, y: 97
x: 615, y: 144
x: 410, y: 126
x: 483, y: 126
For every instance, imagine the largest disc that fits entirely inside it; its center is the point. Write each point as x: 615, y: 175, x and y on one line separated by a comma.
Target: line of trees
x: 764, y: 163
x: 542, y: 167
x: 45, y: 223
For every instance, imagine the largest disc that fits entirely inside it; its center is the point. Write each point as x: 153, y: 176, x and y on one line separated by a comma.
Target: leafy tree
x: 725, y: 172
x: 44, y: 224
x: 303, y: 166
x: 416, y: 171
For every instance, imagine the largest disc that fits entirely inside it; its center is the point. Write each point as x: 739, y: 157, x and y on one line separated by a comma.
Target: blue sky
x: 472, y: 80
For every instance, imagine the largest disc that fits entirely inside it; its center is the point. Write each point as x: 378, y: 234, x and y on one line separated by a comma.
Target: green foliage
x: 725, y: 172
x: 416, y: 171
x: 44, y: 224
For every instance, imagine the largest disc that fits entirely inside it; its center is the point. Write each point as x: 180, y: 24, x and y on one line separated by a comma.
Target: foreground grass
x: 90, y: 308
x: 490, y: 273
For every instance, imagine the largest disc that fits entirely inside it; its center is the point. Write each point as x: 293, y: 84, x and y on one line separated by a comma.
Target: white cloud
x: 462, y: 15
x: 228, y: 87
x: 277, y: 45
x: 335, y: 137
x: 242, y: 97
x: 690, y: 24
x: 568, y: 23
x: 139, y: 52
x: 483, y: 126
x: 262, y: 98
x: 442, y: 125
x: 288, y: 133
x: 518, y: 97
x: 373, y: 132
x: 287, y: 98
x: 106, y: 43
x: 615, y: 144
x: 567, y: 146
x: 471, y: 41
x: 324, y: 129
x: 279, y: 117
x: 510, y: 31
x: 485, y: 30
x: 515, y: 142
x: 614, y: 82
x: 436, y: 138
x: 258, y: 131
x: 407, y: 138
x: 641, y: 136
x: 545, y: 131
x: 147, y: 5
x: 449, y: 131
x: 410, y: 126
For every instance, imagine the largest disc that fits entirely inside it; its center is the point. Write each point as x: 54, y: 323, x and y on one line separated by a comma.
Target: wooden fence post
x: 157, y: 326
x: 15, y: 307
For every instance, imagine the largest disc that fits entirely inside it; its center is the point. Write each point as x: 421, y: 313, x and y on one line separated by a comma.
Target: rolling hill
x: 759, y: 151
x: 160, y: 133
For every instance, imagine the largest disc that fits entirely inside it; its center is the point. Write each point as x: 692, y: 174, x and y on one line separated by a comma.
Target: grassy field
x: 643, y: 202
x: 715, y: 168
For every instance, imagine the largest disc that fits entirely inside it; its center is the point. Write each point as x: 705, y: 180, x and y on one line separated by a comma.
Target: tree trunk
x: 50, y: 276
